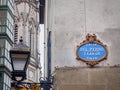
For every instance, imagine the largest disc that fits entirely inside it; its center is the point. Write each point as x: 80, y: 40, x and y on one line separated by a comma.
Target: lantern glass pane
x: 19, y: 63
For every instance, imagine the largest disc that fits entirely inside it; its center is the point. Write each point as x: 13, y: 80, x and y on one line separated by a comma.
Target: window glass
x: 2, y: 47
x: 10, y: 5
x: 2, y: 29
x: 11, y: 2
x: 6, y: 82
x: 2, y: 52
x: 3, y: 2
x: 7, y: 64
x: 1, y: 60
x: 7, y: 45
x: 2, y: 17
x: 9, y: 33
x: 10, y: 18
x: 1, y: 86
x: 6, y: 53
x: 9, y: 84
x: 2, y: 42
x: 5, y: 78
x: 4, y: 87
x: 1, y: 77
x: 9, y: 30
x: 9, y: 21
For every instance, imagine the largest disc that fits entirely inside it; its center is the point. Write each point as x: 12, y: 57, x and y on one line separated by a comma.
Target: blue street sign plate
x: 92, y: 51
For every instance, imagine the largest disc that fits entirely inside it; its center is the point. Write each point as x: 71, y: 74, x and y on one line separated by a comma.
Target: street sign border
x: 91, y: 39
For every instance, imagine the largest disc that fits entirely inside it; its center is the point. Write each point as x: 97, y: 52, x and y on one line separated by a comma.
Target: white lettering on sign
x: 91, y: 53
x: 92, y: 58
x: 91, y: 49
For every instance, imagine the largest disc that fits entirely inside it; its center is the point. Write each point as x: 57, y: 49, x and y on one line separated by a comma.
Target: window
x: 9, y: 30
x: 2, y: 43
x: 6, y: 24
x: 42, y: 11
x: 6, y: 81
x: 1, y: 80
x: 1, y: 77
x: 4, y: 48
x: 4, y: 51
x: 1, y: 86
x: 10, y: 5
x: 7, y: 45
x: 10, y: 22
x: 2, y: 17
x: 3, y: 2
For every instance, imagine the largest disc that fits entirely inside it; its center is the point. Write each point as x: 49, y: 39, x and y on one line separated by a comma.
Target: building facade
x: 6, y: 42
x: 26, y: 23
x: 69, y: 21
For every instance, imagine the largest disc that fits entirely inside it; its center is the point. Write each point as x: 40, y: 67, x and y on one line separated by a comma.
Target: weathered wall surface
x: 87, y: 79
x: 71, y: 20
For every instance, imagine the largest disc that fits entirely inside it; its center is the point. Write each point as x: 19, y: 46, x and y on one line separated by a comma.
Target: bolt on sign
x: 91, y: 51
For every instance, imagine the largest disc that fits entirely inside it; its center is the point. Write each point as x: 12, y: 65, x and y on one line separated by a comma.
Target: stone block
x: 74, y: 87
x: 97, y: 76
x: 98, y: 87
x: 73, y: 77
x: 87, y: 79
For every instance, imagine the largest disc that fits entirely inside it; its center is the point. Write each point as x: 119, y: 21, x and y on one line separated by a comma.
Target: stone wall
x: 105, y: 78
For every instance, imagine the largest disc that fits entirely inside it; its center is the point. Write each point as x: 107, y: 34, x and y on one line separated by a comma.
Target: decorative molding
x: 35, y: 6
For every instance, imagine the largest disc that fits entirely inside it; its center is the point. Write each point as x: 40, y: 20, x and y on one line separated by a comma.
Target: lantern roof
x: 21, y: 46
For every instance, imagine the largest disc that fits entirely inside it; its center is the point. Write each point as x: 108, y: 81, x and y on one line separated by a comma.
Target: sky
x: 41, y: 48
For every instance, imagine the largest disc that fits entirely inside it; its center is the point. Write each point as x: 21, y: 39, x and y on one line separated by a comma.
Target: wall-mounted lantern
x: 19, y: 55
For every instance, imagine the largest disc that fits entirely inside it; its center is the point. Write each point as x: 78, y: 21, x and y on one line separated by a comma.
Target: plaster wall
x: 71, y: 20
